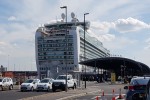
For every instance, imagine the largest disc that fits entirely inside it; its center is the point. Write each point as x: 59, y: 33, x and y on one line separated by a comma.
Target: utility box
x: 113, y: 77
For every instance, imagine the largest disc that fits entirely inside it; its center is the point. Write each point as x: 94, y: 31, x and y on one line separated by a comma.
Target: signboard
x: 113, y: 77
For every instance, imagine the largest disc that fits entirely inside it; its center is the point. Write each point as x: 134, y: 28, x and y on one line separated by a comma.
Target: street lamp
x: 8, y: 63
x: 84, y: 46
x: 66, y: 44
x: 123, y: 70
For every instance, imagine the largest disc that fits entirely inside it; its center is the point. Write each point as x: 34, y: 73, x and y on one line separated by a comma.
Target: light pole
x: 123, y: 72
x: 8, y: 63
x: 66, y: 45
x: 84, y: 47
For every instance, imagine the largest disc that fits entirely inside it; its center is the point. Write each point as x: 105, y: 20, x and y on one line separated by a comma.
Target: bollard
x: 120, y: 95
x: 97, y: 98
x: 113, y: 98
x: 103, y: 96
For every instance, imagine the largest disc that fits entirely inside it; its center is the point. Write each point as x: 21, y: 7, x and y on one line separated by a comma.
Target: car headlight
x: 28, y: 85
x: 45, y: 85
x: 62, y: 83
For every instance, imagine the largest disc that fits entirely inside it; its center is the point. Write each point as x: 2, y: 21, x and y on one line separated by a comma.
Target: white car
x: 6, y: 83
x: 60, y: 82
x: 29, y: 85
x: 45, y: 84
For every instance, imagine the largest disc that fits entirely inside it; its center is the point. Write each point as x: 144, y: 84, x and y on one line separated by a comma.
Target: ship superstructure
x: 59, y: 49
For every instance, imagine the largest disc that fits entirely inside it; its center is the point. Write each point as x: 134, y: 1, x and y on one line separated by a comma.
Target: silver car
x: 45, y: 84
x: 29, y: 85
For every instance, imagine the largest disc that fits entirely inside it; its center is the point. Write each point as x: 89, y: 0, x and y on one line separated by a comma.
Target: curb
x: 78, y: 95
x: 63, y: 98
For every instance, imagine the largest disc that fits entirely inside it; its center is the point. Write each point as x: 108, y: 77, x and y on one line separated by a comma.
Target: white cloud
x: 101, y: 30
x: 2, y: 43
x: 129, y: 25
x: 106, y: 37
x: 119, y: 43
x: 1, y: 53
x: 12, y: 18
x: 102, y: 26
x: 101, y: 36
x: 121, y: 25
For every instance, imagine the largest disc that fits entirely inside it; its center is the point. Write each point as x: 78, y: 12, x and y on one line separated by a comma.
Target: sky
x: 122, y: 25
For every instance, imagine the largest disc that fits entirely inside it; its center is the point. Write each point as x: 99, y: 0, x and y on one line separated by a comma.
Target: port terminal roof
x: 115, y: 64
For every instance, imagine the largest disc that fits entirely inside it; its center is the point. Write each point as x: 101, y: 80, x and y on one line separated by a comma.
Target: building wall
x: 20, y: 76
x: 8, y: 74
x: 51, y: 56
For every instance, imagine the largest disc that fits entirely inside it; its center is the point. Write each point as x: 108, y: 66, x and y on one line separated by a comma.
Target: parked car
x: 138, y: 89
x: 6, y: 83
x: 60, y: 82
x: 29, y: 85
x: 45, y: 84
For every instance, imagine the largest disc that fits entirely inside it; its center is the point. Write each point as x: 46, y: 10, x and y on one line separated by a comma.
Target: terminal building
x: 60, y: 46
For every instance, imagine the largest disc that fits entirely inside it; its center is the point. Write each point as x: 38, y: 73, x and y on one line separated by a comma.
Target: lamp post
x: 84, y: 47
x: 8, y: 63
x: 121, y: 73
x: 66, y: 44
x: 123, y: 70
x: 125, y: 78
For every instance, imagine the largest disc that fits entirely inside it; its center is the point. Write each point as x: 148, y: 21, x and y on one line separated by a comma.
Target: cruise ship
x: 60, y: 46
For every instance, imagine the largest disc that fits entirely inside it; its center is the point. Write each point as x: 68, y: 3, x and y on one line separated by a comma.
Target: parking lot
x: 92, y: 87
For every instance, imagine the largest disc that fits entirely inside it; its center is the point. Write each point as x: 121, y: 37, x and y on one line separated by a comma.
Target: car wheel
x: 48, y: 89
x: 1, y: 88
x: 32, y: 88
x: 136, y: 96
x: 74, y: 86
x: 53, y: 89
x: 64, y: 88
x: 10, y: 87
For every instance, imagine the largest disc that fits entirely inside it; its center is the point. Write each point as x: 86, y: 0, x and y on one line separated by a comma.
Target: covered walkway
x: 119, y: 65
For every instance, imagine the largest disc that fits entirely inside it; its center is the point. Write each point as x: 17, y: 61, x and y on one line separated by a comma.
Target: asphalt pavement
x: 92, y: 87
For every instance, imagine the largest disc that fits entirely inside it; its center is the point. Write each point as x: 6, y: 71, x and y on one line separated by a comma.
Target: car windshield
x: 28, y: 81
x: 139, y: 81
x: 1, y: 80
x: 139, y: 84
x: 44, y: 81
x: 61, y: 77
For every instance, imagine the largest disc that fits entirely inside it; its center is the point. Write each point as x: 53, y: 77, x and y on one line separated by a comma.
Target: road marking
x: 96, y: 97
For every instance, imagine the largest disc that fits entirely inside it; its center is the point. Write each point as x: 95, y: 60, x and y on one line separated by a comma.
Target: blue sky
x: 122, y: 25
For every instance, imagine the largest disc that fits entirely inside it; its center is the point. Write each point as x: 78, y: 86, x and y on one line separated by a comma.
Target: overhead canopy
x: 115, y: 64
